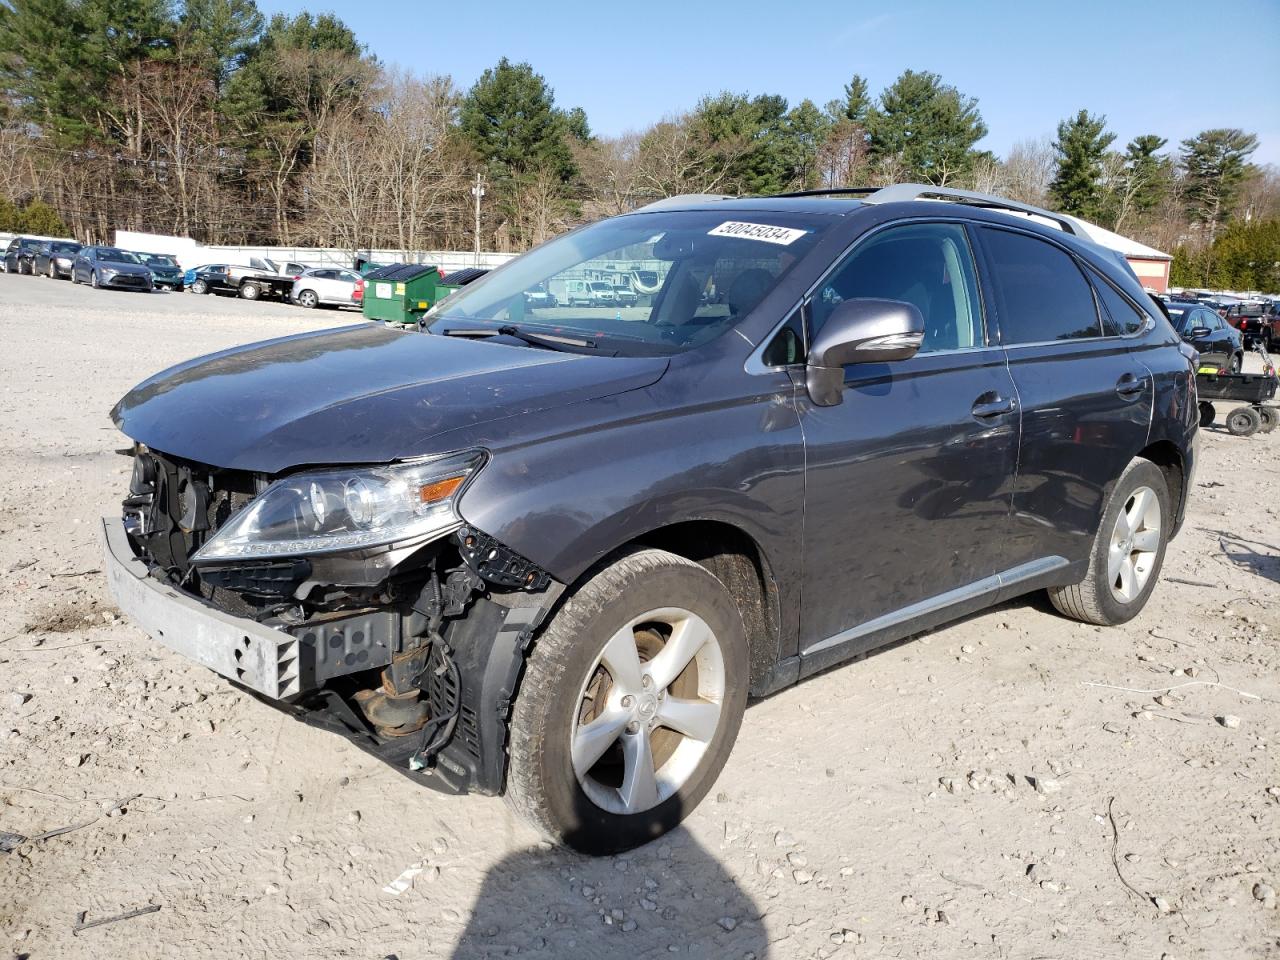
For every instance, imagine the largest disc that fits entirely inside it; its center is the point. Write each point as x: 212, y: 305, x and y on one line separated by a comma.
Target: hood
x: 133, y: 269
x: 362, y: 394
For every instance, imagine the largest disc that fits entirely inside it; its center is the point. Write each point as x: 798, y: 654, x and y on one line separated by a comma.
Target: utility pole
x: 477, y: 191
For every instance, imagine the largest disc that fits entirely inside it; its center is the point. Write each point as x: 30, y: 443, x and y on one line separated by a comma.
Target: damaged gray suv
x: 549, y: 550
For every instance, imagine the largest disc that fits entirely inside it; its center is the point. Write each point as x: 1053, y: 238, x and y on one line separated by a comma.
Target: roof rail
x: 901, y: 192
x: 683, y: 200
x: 828, y: 192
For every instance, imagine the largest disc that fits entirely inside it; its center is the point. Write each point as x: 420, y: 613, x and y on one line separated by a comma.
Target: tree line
x: 202, y: 117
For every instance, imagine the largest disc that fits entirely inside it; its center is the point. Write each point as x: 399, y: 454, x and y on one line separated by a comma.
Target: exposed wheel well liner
x: 735, y: 559
x: 1164, y: 454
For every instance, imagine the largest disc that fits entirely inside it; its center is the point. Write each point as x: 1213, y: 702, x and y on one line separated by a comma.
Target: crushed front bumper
x: 266, y: 661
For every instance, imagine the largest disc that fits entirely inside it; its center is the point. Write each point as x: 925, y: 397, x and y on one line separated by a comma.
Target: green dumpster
x: 402, y: 292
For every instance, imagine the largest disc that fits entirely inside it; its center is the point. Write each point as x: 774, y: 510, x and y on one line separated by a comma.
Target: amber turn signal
x: 440, y: 489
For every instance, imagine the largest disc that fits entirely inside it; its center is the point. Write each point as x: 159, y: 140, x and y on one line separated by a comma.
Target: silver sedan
x: 325, y: 286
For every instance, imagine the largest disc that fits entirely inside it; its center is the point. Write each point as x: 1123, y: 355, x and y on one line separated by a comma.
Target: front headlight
x: 62, y: 261
x: 338, y: 510
x: 108, y: 272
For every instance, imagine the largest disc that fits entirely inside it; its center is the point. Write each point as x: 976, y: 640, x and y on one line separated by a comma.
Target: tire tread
x: 550, y: 657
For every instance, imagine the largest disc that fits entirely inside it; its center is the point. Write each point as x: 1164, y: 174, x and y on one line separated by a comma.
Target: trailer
x: 1252, y: 390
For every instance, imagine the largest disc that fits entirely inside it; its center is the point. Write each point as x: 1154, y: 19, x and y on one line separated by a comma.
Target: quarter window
x: 1043, y: 294
x: 1122, y: 317
x: 926, y: 264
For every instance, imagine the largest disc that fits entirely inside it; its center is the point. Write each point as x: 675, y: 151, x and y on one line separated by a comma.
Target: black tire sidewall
x: 580, y: 823
x: 1142, y: 473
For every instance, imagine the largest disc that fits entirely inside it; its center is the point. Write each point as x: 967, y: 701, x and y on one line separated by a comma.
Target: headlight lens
x: 329, y: 511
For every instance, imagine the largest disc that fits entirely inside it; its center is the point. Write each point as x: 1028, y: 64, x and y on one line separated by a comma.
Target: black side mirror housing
x: 1199, y: 332
x: 860, y: 331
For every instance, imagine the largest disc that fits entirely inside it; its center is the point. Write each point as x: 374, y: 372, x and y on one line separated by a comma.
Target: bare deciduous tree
x: 1029, y: 170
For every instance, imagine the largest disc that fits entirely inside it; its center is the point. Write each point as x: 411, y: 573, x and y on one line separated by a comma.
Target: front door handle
x: 1130, y: 385
x: 991, y: 405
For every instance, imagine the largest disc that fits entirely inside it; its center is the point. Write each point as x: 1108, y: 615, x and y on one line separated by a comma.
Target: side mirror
x: 860, y: 331
x: 1198, y: 333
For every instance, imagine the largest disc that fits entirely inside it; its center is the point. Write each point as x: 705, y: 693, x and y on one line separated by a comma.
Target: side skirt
x: 932, y: 612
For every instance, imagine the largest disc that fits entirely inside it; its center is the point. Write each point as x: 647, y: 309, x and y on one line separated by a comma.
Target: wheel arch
x: 734, y: 558
x: 1166, y: 455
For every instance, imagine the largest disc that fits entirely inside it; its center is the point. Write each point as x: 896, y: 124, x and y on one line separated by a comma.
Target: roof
x: 1130, y: 248
x: 842, y: 202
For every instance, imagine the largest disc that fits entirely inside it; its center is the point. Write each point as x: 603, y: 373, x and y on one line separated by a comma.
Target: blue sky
x: 1173, y: 67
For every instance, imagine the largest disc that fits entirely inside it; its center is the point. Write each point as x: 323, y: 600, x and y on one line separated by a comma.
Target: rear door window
x: 1043, y: 295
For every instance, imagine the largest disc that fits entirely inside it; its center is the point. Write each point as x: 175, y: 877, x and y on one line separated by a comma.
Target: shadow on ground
x: 671, y: 897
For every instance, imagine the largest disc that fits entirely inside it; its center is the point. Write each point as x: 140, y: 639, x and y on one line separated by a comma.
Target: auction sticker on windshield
x: 757, y: 231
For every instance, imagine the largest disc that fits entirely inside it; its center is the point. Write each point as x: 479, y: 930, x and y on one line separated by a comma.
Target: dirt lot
x: 988, y: 790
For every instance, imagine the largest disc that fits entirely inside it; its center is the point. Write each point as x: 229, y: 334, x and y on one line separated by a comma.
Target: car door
x: 1085, y: 399
x: 324, y: 284
x: 346, y: 286
x: 909, y: 478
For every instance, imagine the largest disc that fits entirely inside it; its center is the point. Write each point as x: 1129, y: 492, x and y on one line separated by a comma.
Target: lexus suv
x: 539, y: 550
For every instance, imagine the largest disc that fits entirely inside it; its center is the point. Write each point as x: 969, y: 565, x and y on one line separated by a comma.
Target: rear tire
x: 1207, y: 413
x: 1128, y: 551
x: 1243, y: 422
x: 645, y: 777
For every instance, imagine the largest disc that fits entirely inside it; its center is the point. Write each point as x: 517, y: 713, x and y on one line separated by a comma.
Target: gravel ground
x: 989, y: 790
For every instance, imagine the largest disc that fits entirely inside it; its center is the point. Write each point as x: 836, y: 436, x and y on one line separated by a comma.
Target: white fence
x: 191, y: 254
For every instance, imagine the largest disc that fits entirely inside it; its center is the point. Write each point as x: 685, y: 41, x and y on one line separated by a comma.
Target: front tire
x: 630, y: 704
x: 200, y: 287
x: 250, y: 291
x: 1128, y: 551
x: 308, y: 299
x: 93, y: 280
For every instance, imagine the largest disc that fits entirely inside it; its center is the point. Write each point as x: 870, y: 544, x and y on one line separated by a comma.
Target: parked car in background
x: 1220, y: 345
x: 540, y: 296
x: 1247, y: 317
x: 165, y: 272
x: 265, y: 278
x: 15, y: 253
x: 54, y: 258
x: 211, y: 278
x: 550, y: 552
x: 325, y: 287
x: 110, y: 267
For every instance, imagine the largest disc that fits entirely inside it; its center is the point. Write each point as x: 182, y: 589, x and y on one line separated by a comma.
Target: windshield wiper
x: 549, y: 341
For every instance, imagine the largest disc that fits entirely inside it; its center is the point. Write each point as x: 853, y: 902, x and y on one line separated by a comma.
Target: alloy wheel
x: 1135, y: 542
x: 648, y: 711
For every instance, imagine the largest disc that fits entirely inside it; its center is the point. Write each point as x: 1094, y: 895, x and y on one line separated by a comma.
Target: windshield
x: 64, y: 248
x: 157, y: 260
x: 112, y: 255
x: 694, y: 274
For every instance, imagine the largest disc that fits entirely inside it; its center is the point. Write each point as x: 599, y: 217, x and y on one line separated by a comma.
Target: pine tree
x: 1216, y: 163
x: 855, y: 103
x: 509, y: 117
x: 925, y: 128
x: 1081, y: 145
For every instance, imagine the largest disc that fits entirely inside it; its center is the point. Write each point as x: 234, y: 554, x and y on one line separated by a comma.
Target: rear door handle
x: 1130, y: 385
x: 992, y: 405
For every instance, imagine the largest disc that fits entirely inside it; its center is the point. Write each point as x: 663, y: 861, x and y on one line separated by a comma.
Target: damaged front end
x: 355, y: 599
